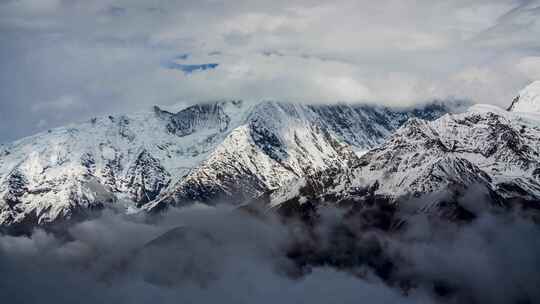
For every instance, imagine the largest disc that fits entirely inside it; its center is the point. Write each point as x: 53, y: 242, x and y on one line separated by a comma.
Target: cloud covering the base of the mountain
x: 214, y: 254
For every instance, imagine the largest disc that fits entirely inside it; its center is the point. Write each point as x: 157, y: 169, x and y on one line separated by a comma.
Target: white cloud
x: 62, y: 103
x: 476, y: 76
x: 110, y: 53
x: 34, y: 7
x: 530, y: 67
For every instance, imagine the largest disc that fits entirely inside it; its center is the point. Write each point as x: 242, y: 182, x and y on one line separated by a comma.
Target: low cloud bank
x: 208, y: 255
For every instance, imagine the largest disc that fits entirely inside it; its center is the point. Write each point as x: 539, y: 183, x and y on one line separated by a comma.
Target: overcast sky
x: 66, y: 60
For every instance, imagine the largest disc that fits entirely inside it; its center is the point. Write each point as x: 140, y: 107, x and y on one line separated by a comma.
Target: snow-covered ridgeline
x: 486, y: 153
x: 199, y: 152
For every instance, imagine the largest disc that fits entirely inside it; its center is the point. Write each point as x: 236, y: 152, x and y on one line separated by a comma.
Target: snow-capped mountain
x: 125, y: 159
x: 483, y: 140
x: 280, y: 143
x: 528, y: 99
x: 486, y: 154
x: 229, y: 150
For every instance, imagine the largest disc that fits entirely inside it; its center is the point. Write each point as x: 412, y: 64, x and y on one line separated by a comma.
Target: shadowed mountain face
x: 230, y: 151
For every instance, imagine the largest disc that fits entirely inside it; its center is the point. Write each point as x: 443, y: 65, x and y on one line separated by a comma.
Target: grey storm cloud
x: 66, y: 60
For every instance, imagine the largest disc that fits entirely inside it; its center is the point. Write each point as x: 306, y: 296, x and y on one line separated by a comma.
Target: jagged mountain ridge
x: 283, y: 142
x: 126, y: 158
x: 486, y: 153
x: 198, y: 153
x: 498, y: 143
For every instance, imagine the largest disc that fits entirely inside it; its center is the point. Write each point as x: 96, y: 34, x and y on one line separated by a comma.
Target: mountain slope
x: 203, y: 152
x: 281, y: 143
x: 126, y: 159
x: 500, y: 144
x: 486, y: 152
x: 528, y: 99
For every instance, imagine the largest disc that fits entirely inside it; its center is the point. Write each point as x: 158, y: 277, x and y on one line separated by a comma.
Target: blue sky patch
x: 190, y: 68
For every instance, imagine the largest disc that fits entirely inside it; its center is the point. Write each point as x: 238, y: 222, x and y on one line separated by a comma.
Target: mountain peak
x: 528, y: 99
x: 222, y: 150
